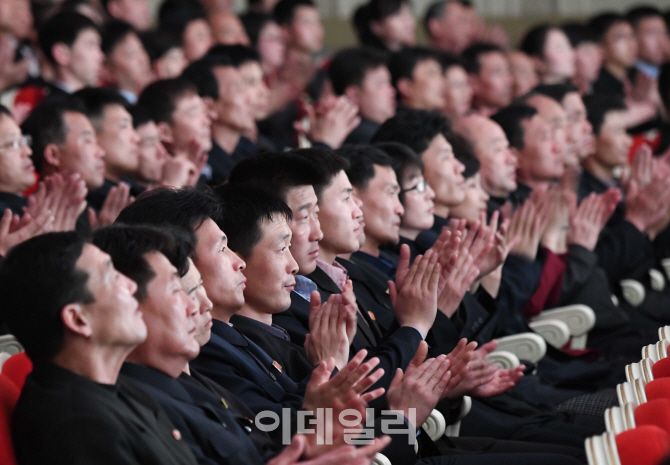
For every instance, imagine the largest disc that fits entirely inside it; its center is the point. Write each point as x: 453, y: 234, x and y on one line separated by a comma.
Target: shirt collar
x: 335, y: 271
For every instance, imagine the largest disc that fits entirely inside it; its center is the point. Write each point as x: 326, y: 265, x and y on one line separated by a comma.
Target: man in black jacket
x: 77, y: 330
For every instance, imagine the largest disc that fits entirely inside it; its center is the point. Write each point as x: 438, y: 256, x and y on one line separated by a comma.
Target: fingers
x: 420, y: 355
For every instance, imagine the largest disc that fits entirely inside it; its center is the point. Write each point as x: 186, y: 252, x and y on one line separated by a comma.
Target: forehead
x: 188, y: 102
x: 299, y: 196
x: 339, y: 183
x: 274, y: 230
x: 192, y: 276
x: 147, y: 129
x: 226, y: 74
x: 573, y: 101
x: 77, y: 123
x: 492, y: 59
x: 251, y: 68
x: 87, y: 35
x: 547, y: 107
x: 161, y: 266
x: 384, y: 175
x: 115, y: 111
x: 614, y: 118
x: 8, y: 126
x: 208, y: 232
x: 305, y: 12
x: 92, y: 260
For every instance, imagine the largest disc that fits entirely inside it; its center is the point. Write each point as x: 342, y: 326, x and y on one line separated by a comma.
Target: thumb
x: 292, y: 453
x: 92, y: 218
x: 393, y: 292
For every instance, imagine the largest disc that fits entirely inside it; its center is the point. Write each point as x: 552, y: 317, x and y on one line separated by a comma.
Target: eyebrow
x: 284, y: 237
x: 305, y: 206
x: 194, y: 287
x: 347, y: 190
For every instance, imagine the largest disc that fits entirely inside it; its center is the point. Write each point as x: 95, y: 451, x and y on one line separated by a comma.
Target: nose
x: 239, y: 264
x: 131, y: 285
x: 135, y: 137
x: 315, y: 233
x: 430, y: 193
x: 292, y: 266
x: 100, y: 152
x: 399, y: 209
x: 356, y: 212
x: 191, y: 308
x: 206, y: 305
x: 511, y: 158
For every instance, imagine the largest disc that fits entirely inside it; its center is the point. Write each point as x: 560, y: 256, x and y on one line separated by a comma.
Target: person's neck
x: 252, y: 134
x: 69, y: 81
x: 484, y: 109
x: 99, y: 364
x: 222, y: 313
x: 370, y: 247
x: 597, y: 169
x: 534, y: 183
x: 254, y: 314
x: 145, y: 356
x: 327, y: 255
x: 410, y: 234
x: 616, y: 69
x: 442, y: 210
x: 226, y: 137
x: 11, y: 190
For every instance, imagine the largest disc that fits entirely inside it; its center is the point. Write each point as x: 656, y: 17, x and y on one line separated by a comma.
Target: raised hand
x: 332, y: 121
x: 117, y: 199
x: 528, y: 223
x: 647, y: 206
x: 14, y: 230
x: 64, y: 197
x: 415, y: 303
x: 461, y: 274
x: 420, y: 388
x: 479, y: 372
x: 328, y: 330
x: 344, y: 454
x: 179, y: 171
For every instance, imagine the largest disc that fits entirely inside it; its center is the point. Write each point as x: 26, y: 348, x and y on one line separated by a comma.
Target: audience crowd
x: 221, y: 245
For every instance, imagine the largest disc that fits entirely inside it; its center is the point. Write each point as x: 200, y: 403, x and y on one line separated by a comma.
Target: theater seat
x: 9, y: 395
x: 655, y: 412
x: 17, y: 368
x: 644, y: 445
x: 578, y: 318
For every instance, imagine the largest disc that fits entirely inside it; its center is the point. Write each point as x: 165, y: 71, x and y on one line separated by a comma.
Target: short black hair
x: 141, y: 116
x: 637, y: 14
x: 664, y: 85
x: 437, y: 10
x: 96, y: 99
x: 284, y: 10
x: 161, y: 97
x: 174, y: 16
x: 201, y: 74
x: 4, y: 110
x: 510, y: 119
x: 597, y: 108
x: 128, y: 246
x: 237, y: 54
x: 362, y: 159
x: 402, y: 63
x: 277, y: 173
x: 253, y: 23
x: 555, y: 91
x: 159, y: 43
x: 46, y: 125
x: 64, y: 28
x: 414, y: 128
x: 329, y: 164
x: 113, y: 33
x: 185, y: 208
x: 602, y: 23
x: 535, y: 39
x: 465, y: 153
x: 472, y: 54
x: 403, y: 159
x: 449, y: 60
x: 243, y: 211
x: 579, y: 34
x: 349, y: 67
x: 37, y: 279
x: 374, y: 11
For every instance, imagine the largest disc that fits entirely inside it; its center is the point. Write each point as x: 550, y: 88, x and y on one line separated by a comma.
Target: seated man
x: 222, y: 88
x: 182, y: 118
x: 497, y: 160
x: 71, y: 44
x: 108, y: 112
x: 417, y: 76
x: 216, y: 425
x: 491, y: 80
x: 77, y: 330
x: 450, y: 25
x: 363, y: 76
x: 127, y: 67
x: 17, y: 172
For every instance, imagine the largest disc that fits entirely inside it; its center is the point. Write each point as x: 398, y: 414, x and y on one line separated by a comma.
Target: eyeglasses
x: 16, y: 144
x: 421, y: 188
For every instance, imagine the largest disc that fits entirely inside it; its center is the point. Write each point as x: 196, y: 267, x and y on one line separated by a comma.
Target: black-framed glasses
x: 421, y: 188
x: 16, y: 144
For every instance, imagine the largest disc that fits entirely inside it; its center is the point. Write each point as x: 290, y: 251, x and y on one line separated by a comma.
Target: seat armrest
x: 555, y: 332
x: 526, y: 346
x: 10, y: 344
x: 633, y: 291
x: 503, y: 359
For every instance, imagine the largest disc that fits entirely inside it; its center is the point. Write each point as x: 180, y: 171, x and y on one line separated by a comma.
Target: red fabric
x: 661, y: 369
x: 9, y: 395
x: 549, y: 289
x: 644, y: 445
x: 16, y: 368
x: 30, y: 95
x: 651, y: 138
x: 658, y: 389
x: 655, y: 412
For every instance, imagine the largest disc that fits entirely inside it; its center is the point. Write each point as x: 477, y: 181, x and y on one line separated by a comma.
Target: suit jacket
x: 64, y: 418
x: 295, y: 320
x: 216, y: 434
x: 242, y: 367
x: 291, y: 357
x: 12, y: 201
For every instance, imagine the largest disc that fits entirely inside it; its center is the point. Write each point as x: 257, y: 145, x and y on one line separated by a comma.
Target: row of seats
x: 638, y: 430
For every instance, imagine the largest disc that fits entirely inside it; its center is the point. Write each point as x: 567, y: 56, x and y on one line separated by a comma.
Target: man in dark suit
x: 215, y: 424
x: 77, y: 330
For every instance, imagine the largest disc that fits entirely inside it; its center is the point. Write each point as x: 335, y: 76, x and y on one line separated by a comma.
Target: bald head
x: 491, y: 147
x: 227, y: 29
